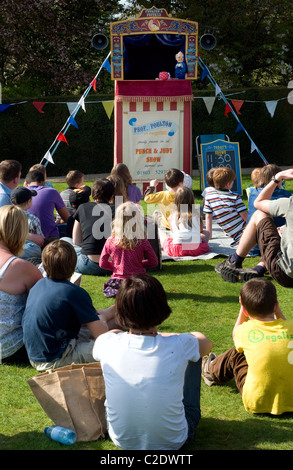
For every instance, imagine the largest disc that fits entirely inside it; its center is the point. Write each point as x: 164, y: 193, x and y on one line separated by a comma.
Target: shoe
x: 238, y: 275
x: 206, y: 360
x: 224, y: 264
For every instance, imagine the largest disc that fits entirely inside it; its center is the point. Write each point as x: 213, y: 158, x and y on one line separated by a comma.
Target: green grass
x: 200, y: 300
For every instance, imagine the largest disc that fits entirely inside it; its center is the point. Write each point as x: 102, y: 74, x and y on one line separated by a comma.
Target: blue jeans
x: 84, y: 264
x: 191, y: 396
x: 31, y: 250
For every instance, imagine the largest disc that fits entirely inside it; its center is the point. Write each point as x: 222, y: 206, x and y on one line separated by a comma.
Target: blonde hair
x: 183, y: 203
x: 13, y: 228
x: 128, y: 226
x: 255, y: 177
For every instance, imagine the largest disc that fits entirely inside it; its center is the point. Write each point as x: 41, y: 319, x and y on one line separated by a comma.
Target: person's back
x: 152, y: 379
x: 45, y: 203
x: 269, y: 382
x: 148, y: 388
x: 224, y: 206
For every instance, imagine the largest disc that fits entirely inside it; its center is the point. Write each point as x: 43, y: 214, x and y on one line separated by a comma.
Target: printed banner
x: 154, y: 145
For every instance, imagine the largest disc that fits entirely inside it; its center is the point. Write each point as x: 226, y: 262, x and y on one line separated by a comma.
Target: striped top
x: 226, y: 208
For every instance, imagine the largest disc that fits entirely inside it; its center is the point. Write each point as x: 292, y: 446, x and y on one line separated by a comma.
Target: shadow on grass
x: 259, y: 432
x: 174, y: 267
x: 200, y: 298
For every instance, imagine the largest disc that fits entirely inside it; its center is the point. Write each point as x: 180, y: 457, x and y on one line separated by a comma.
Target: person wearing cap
x: 22, y: 197
x: 10, y: 171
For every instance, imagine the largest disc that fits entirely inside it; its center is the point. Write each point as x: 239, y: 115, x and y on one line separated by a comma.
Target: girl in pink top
x: 127, y: 252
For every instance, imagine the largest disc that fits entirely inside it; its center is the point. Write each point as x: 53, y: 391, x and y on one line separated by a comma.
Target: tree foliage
x: 254, y: 37
x: 45, y: 45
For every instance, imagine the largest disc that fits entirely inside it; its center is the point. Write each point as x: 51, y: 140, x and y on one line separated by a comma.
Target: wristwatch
x: 274, y: 180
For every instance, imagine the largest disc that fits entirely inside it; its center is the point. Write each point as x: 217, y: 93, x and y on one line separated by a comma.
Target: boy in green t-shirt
x: 261, y: 360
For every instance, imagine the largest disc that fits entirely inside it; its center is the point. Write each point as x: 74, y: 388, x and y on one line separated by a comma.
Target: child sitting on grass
x: 186, y: 226
x: 56, y: 310
x: 261, y: 360
x: 174, y: 179
x: 152, y: 379
x: 225, y: 207
x: 127, y: 252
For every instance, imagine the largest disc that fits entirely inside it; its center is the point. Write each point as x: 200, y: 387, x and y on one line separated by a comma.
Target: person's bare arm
x: 209, y: 225
x: 64, y: 213
x: 76, y: 234
x: 263, y: 199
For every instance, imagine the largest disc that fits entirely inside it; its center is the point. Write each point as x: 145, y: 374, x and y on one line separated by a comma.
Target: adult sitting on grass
x: 276, y: 249
x: 152, y: 379
x: 17, y: 276
x: 56, y: 312
x: 261, y: 360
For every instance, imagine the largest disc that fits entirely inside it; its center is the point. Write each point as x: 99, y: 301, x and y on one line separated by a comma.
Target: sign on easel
x: 218, y: 154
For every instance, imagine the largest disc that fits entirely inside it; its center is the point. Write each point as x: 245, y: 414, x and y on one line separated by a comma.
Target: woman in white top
x: 188, y: 238
x: 17, y: 276
x: 152, y: 379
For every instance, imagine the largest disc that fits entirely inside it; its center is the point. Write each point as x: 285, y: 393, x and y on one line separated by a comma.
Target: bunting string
x: 229, y: 108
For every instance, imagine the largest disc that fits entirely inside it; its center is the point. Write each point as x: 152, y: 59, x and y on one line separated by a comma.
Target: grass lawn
x: 200, y: 300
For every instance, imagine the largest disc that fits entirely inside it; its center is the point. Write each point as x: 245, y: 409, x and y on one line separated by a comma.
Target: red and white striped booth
x: 153, y: 128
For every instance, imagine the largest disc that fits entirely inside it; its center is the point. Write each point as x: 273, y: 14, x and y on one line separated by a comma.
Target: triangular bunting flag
x: 62, y: 137
x: 3, y: 107
x: 209, y: 102
x: 253, y: 147
x: 48, y: 157
x: 217, y: 90
x: 72, y: 121
x: 107, y: 65
x: 93, y: 84
x: 290, y: 97
x: 39, y: 106
x: 81, y: 102
x: 239, y: 127
x: 108, y: 107
x: 271, y: 107
x: 205, y: 73
x: 237, y: 105
x: 228, y: 109
x: 71, y: 107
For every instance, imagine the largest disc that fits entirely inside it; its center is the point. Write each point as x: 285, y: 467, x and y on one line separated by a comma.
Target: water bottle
x: 60, y: 434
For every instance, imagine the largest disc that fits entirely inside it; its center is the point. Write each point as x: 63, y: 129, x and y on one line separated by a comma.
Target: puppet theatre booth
x: 153, y: 59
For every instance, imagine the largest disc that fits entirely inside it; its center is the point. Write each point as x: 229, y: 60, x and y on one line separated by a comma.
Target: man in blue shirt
x: 10, y: 171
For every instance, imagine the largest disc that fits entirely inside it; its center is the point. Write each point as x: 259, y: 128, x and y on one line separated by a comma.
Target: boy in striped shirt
x: 224, y: 206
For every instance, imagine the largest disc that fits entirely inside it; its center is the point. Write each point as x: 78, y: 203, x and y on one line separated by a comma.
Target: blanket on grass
x: 220, y: 245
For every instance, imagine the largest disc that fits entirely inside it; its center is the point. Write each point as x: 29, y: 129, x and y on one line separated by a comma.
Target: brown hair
x: 13, y: 228
x: 258, y: 297
x: 9, y: 169
x: 223, y: 176
x: 173, y: 177
x: 59, y: 259
x: 102, y: 190
x: 209, y: 176
x: 267, y: 172
x: 73, y: 178
x: 141, y: 303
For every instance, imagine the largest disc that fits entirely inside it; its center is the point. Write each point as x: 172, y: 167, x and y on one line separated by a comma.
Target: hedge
x: 26, y: 134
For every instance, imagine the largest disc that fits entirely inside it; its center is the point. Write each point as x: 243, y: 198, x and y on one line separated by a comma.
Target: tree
x: 45, y: 45
x: 254, y: 37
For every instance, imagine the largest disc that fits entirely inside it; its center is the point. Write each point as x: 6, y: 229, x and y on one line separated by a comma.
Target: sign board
x: 222, y: 153
x: 153, y: 144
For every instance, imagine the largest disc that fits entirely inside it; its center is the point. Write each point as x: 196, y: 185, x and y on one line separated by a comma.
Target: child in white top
x: 127, y: 252
x: 188, y: 238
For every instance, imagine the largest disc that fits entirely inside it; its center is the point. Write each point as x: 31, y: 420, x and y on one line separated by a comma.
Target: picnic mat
x: 220, y: 245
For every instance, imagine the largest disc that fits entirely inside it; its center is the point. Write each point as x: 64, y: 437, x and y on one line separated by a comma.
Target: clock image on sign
x: 222, y: 153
